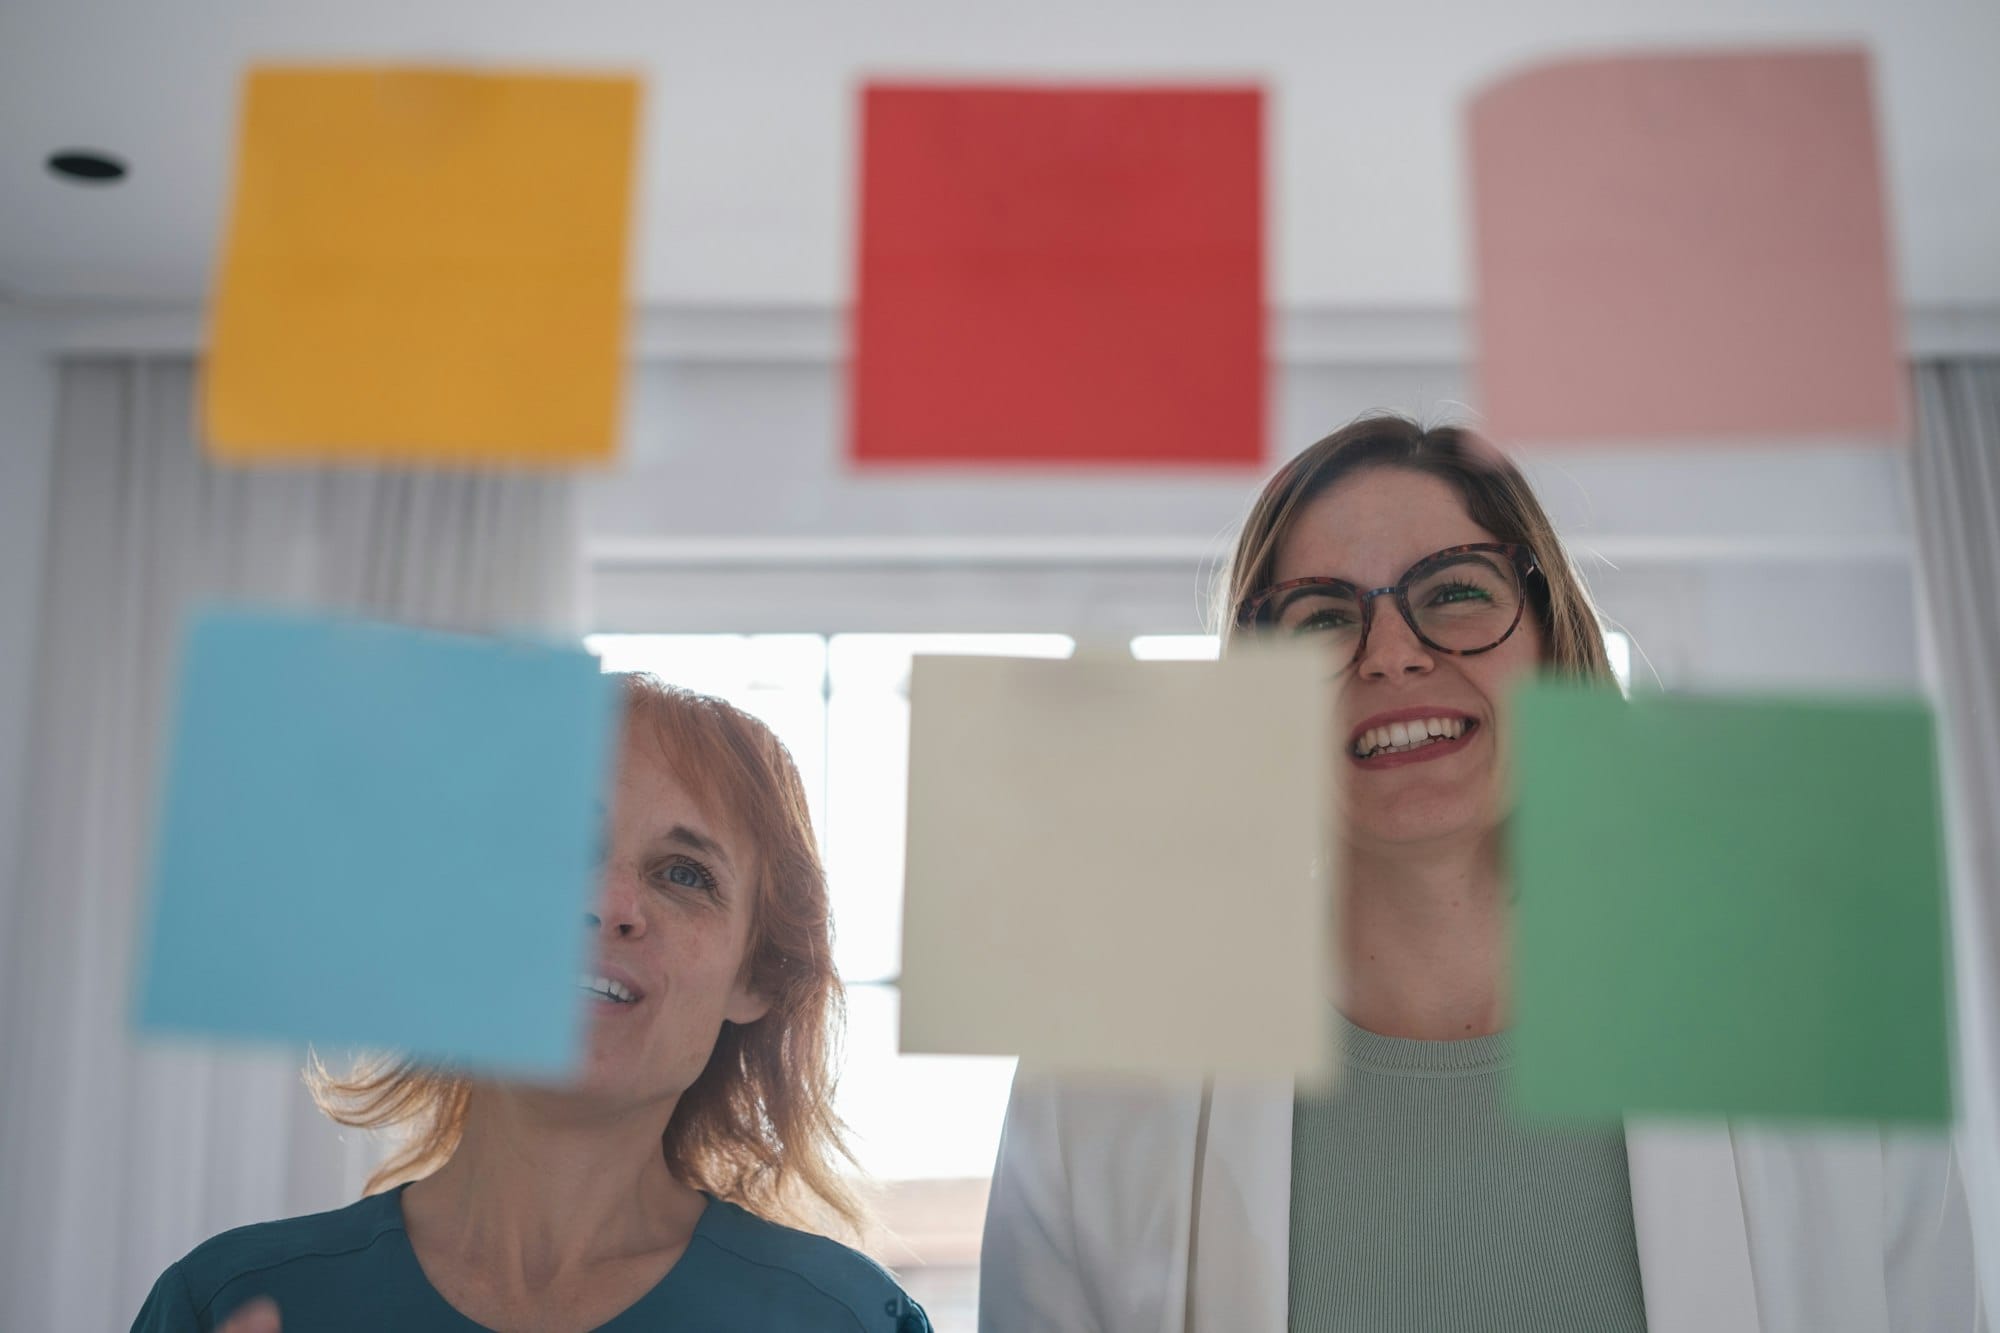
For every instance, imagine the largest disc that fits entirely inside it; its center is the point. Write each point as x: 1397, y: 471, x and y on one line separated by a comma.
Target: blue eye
x: 686, y: 874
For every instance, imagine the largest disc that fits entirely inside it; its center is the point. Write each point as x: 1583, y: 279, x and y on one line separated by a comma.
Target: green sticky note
x: 1727, y: 907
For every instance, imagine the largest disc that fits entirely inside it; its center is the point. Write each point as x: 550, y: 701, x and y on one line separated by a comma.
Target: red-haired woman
x: 652, y: 1193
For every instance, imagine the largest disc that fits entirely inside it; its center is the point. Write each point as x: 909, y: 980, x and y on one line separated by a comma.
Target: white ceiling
x: 749, y: 134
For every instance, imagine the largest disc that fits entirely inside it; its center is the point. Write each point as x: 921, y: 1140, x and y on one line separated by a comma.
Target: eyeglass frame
x: 1522, y: 556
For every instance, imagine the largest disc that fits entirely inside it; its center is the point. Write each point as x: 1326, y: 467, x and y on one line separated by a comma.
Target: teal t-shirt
x: 354, y: 1269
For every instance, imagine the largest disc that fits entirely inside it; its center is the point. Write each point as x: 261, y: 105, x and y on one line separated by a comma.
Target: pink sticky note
x: 1685, y: 247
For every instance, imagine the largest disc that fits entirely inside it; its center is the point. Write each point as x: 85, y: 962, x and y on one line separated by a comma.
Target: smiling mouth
x: 606, y: 990
x: 1409, y: 737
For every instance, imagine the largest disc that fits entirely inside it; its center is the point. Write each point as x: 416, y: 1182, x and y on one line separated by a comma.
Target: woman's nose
x: 1393, y: 647
x: 616, y: 910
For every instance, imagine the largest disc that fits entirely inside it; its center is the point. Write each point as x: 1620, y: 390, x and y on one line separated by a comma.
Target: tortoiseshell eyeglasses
x: 1463, y: 600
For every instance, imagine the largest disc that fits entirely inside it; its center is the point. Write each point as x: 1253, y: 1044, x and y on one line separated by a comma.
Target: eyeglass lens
x: 1465, y: 603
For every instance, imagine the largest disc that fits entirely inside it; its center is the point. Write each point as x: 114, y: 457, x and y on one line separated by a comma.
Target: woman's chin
x: 604, y: 1072
x: 615, y: 1082
x: 1405, y: 827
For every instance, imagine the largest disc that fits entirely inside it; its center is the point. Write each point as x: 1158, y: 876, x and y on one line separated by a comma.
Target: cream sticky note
x: 1120, y: 866
x: 423, y: 266
x: 1684, y: 247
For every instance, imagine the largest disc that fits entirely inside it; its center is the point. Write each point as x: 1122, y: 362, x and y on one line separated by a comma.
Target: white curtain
x: 117, y: 1157
x: 1955, y: 474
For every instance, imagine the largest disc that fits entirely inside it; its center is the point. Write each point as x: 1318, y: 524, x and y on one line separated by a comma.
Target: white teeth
x: 1402, y: 736
x: 606, y: 987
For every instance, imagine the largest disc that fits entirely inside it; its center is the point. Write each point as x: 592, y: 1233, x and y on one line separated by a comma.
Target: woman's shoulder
x: 1078, y: 1109
x: 262, y: 1247
x: 820, y: 1266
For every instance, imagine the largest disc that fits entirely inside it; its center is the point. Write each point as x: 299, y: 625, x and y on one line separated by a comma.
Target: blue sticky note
x: 378, y: 837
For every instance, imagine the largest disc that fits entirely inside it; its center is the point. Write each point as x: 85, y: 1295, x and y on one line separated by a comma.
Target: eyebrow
x: 1468, y: 557
x: 1458, y: 558
x: 695, y: 841
x: 1315, y: 589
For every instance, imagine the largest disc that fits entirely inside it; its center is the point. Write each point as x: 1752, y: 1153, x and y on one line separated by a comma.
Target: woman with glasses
x: 1406, y: 1200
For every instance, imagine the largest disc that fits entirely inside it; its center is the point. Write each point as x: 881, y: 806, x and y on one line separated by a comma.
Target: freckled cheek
x: 699, y: 963
x: 1500, y: 682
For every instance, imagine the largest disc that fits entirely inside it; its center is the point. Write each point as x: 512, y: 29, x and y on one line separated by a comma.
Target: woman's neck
x: 543, y: 1186
x: 1424, y: 938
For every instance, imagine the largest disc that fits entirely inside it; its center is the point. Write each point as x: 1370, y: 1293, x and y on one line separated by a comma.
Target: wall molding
x: 809, y: 335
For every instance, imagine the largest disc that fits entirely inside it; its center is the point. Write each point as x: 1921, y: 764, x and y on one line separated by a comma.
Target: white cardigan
x: 1100, y: 1223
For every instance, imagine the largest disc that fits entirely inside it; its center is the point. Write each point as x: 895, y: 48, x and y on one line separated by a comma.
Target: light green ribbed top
x: 1419, y: 1205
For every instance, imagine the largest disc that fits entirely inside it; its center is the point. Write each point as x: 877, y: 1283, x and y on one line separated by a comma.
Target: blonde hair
x: 1495, y: 494
x: 757, y: 1127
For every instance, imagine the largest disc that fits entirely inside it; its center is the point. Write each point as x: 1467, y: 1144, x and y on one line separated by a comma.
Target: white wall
x: 734, y: 511
x: 747, y: 146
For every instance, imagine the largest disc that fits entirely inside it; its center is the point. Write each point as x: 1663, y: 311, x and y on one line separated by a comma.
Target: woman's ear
x: 745, y: 1005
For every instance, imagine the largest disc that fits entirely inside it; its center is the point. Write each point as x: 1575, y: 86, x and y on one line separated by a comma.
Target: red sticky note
x: 1685, y: 247
x: 1060, y: 276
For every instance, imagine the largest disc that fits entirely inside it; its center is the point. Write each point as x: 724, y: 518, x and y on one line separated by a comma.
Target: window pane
x: 780, y: 679
x: 868, y: 742
x: 1176, y: 647
x: 917, y: 1117
x: 1618, y: 647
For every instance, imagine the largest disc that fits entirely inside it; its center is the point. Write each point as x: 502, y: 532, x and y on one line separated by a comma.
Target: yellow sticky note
x: 423, y: 266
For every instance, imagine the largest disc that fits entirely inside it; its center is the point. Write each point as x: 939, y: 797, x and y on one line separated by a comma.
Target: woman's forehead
x: 662, y: 788
x: 1372, y: 526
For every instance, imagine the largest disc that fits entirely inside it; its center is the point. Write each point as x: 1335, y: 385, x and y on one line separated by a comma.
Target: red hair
x: 757, y: 1126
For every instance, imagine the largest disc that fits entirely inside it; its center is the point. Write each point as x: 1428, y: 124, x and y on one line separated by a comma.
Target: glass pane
x: 868, y: 742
